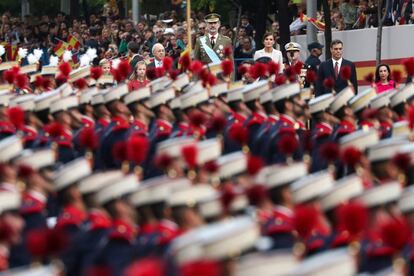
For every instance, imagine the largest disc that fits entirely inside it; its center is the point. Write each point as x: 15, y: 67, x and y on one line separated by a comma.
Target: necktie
x: 336, y: 70
x: 212, y: 41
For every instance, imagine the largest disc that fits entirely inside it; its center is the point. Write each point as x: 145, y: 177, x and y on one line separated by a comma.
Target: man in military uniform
x: 210, y: 48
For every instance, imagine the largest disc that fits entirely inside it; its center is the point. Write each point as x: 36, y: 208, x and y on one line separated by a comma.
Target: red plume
x: 195, y: 67
x: 369, y: 77
x: 98, y: 270
x: 242, y: 69
x: 39, y: 81
x: 298, y: 67
x: 81, y: 84
x: 397, y: 76
x: 55, y: 129
x: 163, y: 161
x: 96, y: 72
x: 411, y: 117
x: 228, y: 51
x: 65, y: 69
x: 190, y: 155
x: 197, y: 118
x: 273, y: 68
x: 239, y: 134
x: 329, y: 151
x: 329, y: 83
x: 174, y: 74
x: 57, y: 241
x: 256, y: 194
x: 211, y: 167
x: 396, y: 233
x: 254, y: 164
x: 353, y: 216
x: 402, y: 161
x: 167, y: 63
x: 159, y: 72
x: 280, y: 80
x: 351, y: 156
x: 211, y: 80
x: 203, y: 75
x: 346, y: 72
x: 88, y: 138
x: 288, y: 144
x: 201, y: 268
x: 6, y: 231
x: 16, y: 116
x: 119, y: 151
x: 61, y: 79
x: 151, y: 73
x: 124, y: 68
x: 9, y: 76
x: 218, y: 123
x: 258, y: 70
x: 311, y: 76
x: 47, y: 84
x: 227, y: 66
x: 290, y: 73
x: 46, y: 242
x: 22, y: 81
x: 228, y: 195
x: 185, y: 61
x: 137, y: 148
x: 146, y: 267
x: 409, y: 66
x: 36, y: 243
x: 24, y: 171
x: 304, y: 220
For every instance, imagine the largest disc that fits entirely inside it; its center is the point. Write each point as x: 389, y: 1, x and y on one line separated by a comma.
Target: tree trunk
x: 284, y: 23
x: 381, y: 19
x: 260, y: 20
x: 74, y: 8
x: 328, y: 28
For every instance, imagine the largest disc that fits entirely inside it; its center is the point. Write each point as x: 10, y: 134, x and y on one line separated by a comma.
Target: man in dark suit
x: 158, y: 52
x: 331, y: 68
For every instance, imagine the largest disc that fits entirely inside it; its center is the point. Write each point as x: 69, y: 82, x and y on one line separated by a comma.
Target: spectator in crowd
x: 349, y: 12
x: 270, y: 51
x: 158, y: 52
x: 245, y: 51
x: 246, y: 25
x: 138, y: 78
x: 383, y: 81
x: 331, y: 68
x: 202, y: 28
x: 133, y: 54
x: 106, y: 66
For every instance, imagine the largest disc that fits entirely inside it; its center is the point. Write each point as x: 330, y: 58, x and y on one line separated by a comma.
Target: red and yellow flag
x: 74, y: 42
x: 60, y: 48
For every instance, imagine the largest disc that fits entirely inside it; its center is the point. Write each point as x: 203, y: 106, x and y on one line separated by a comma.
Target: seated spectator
x: 383, y: 81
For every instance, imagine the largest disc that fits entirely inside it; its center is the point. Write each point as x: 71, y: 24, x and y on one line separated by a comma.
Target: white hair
x: 155, y: 47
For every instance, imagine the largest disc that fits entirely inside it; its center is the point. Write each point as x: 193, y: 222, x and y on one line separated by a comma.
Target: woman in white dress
x: 269, y: 51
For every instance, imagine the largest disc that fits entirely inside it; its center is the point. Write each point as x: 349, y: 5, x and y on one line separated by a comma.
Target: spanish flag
x: 60, y: 48
x: 74, y: 42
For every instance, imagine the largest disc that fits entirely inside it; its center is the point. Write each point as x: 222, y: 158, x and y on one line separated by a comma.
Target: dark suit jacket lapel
x: 331, y: 68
